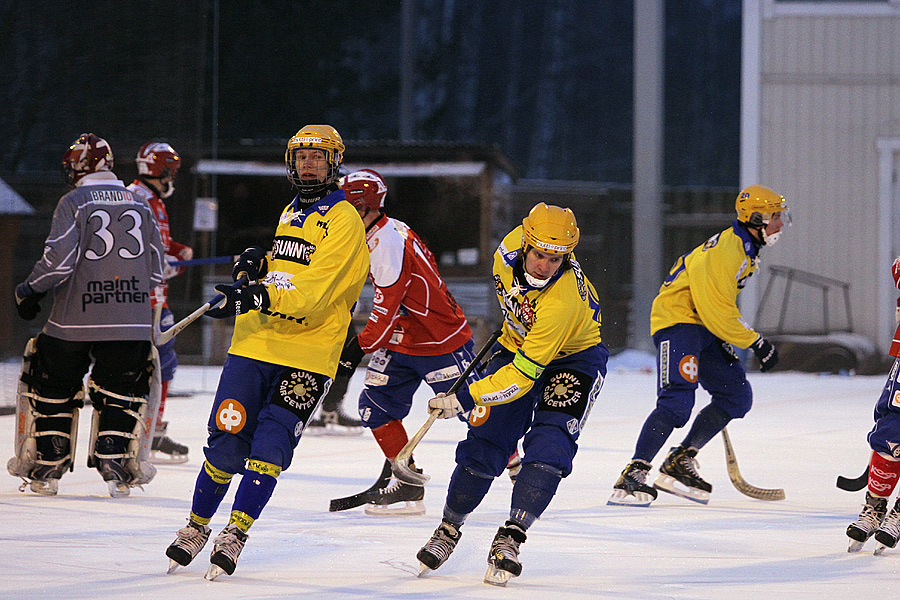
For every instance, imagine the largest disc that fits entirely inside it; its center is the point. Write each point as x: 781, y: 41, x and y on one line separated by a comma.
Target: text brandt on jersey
x: 118, y: 291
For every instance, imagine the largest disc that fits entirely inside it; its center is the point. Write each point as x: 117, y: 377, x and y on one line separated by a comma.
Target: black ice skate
x: 42, y: 479
x: 334, y: 422
x: 165, y: 450
x: 189, y: 541
x: 889, y: 532
x: 869, y: 521
x: 631, y: 488
x: 226, y: 549
x: 438, y: 549
x: 503, y: 558
x: 399, y: 498
x: 679, y: 476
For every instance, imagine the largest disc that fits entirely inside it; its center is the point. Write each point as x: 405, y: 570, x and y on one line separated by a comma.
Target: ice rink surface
x: 803, y: 431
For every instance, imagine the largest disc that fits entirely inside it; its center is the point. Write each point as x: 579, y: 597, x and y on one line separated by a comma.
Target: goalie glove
x: 28, y: 301
x: 240, y: 300
x: 351, y: 356
x: 445, y: 406
x: 766, y: 353
x: 252, y: 263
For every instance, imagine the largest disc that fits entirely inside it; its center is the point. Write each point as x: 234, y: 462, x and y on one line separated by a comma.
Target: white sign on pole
x: 206, y: 214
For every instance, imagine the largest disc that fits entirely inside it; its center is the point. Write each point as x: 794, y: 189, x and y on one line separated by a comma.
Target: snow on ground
x: 804, y: 430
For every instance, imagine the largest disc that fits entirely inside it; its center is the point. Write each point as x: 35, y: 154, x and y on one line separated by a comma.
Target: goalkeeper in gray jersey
x: 102, y: 259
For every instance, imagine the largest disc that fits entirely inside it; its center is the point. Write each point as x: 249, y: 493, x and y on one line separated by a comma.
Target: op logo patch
x: 689, y: 368
x: 479, y: 415
x: 231, y: 416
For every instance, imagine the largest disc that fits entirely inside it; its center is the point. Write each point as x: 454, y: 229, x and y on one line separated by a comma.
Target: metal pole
x: 649, y: 49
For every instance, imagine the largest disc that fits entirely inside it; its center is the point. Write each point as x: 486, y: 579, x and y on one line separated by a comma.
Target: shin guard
x: 46, y: 433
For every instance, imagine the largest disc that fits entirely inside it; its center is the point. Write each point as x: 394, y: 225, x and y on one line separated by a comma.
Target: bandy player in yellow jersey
x: 544, y: 375
x: 291, y: 322
x: 695, y: 324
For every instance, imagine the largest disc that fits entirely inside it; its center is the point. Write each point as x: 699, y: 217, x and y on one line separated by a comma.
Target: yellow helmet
x: 756, y: 204
x: 550, y: 229
x: 319, y: 137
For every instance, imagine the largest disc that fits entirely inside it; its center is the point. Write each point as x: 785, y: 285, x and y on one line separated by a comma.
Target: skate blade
x: 855, y: 546
x: 670, y: 485
x: 117, y: 489
x: 173, y: 565
x: 495, y: 576
x: 161, y: 458
x: 409, y: 508
x: 212, y: 572
x: 423, y: 569
x: 47, y: 487
x: 879, y: 548
x: 623, y: 498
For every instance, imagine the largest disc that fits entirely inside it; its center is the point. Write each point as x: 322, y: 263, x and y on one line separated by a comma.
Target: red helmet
x: 88, y: 154
x: 157, y: 160
x: 365, y: 189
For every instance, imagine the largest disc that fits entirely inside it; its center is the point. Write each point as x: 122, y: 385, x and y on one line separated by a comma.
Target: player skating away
x: 884, y: 467
x: 416, y: 331
x: 102, y: 259
x: 291, y: 320
x: 545, y: 373
x: 158, y: 164
x: 695, y: 323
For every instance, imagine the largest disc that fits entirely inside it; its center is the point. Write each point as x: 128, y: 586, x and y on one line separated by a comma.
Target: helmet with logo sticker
x: 550, y: 229
x: 365, y: 189
x: 88, y: 154
x: 316, y: 137
x: 756, y: 204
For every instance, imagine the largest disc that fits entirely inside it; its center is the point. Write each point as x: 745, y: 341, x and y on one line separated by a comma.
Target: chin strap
x: 534, y: 281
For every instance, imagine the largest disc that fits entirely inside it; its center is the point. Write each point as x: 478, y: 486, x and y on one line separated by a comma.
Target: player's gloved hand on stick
x: 766, y: 353
x: 351, y: 356
x: 446, y: 406
x: 28, y: 301
x: 240, y: 300
x: 252, y: 263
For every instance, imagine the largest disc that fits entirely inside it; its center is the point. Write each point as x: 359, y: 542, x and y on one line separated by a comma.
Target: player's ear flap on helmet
x: 550, y: 229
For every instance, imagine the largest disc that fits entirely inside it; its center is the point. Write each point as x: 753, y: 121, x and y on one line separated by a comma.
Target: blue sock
x: 534, y: 489
x: 707, y: 425
x: 657, y: 429
x: 467, y: 490
x: 253, y: 493
x: 209, y: 490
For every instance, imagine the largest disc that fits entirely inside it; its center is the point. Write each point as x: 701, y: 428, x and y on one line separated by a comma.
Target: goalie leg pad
x: 46, y: 431
x: 121, y: 430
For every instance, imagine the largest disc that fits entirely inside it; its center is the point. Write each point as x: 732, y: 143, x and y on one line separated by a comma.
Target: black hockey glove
x: 252, y: 262
x: 351, y: 356
x: 766, y: 353
x: 28, y: 301
x: 240, y: 300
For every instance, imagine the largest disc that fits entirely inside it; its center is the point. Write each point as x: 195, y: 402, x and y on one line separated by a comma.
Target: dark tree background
x: 548, y: 82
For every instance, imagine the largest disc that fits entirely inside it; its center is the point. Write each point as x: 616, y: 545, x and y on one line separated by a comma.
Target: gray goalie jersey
x: 102, y: 259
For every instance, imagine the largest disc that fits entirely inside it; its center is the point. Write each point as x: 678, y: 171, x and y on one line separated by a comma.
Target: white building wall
x: 829, y: 90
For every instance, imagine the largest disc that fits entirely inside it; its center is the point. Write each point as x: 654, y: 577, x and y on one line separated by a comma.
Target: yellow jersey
x: 319, y: 264
x: 703, y: 285
x: 539, y: 325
